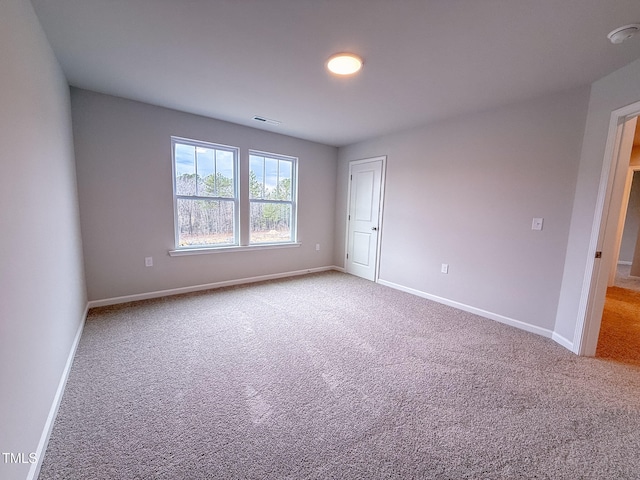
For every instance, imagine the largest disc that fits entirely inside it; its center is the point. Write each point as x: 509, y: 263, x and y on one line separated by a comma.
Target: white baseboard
x: 34, y: 471
x: 468, y: 308
x: 623, y: 262
x: 556, y: 337
x: 207, y: 286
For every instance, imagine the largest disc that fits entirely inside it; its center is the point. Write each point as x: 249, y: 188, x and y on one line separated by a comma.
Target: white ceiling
x: 425, y: 60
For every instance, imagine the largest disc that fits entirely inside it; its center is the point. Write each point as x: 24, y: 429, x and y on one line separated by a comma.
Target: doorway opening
x: 619, y: 336
x: 605, y: 236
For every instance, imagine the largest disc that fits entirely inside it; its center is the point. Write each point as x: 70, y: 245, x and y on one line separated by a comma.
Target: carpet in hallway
x: 619, y: 338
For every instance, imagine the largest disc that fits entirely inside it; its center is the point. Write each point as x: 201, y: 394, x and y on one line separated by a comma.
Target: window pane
x: 285, y: 169
x: 205, y: 222
x: 185, y: 160
x: 270, y: 222
x: 204, y: 162
x: 256, y: 176
x: 270, y: 178
x: 225, y: 186
x: 283, y: 191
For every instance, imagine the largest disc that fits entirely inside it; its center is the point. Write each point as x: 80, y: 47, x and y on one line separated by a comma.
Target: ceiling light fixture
x: 619, y: 35
x: 344, y: 63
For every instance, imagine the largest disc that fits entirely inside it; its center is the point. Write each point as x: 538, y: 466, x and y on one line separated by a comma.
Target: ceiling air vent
x: 268, y: 121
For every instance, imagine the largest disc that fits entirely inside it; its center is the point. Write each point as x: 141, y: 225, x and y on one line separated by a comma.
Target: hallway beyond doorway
x: 619, y: 338
x: 623, y: 280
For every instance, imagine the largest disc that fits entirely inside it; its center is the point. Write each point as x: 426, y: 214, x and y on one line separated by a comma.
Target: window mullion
x: 196, y: 160
x: 264, y: 200
x: 197, y: 197
x: 264, y: 176
x: 216, y: 188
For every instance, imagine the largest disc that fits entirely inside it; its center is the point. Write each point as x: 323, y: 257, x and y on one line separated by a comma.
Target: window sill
x: 232, y: 248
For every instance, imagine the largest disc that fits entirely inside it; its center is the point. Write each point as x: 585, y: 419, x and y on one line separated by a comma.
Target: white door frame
x: 380, y: 212
x: 594, y: 291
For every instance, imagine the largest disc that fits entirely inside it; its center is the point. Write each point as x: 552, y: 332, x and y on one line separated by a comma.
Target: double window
x: 209, y: 208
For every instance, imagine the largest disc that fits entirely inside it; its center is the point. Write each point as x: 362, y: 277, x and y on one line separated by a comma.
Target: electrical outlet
x: 148, y: 261
x: 444, y: 268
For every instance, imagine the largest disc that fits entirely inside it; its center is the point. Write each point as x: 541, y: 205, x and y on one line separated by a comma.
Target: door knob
x: 374, y: 229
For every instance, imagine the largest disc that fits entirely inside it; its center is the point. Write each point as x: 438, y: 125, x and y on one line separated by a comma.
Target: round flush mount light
x: 619, y: 35
x: 344, y: 63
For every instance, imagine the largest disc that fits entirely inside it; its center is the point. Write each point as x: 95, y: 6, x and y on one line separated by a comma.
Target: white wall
x: 123, y: 151
x: 42, y: 297
x: 465, y: 191
x: 616, y: 90
x: 631, y: 222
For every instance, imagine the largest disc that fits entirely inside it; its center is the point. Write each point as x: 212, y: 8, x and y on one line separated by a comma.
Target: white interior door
x: 364, y: 219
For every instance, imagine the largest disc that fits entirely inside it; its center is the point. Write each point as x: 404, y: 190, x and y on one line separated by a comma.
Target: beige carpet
x: 329, y: 376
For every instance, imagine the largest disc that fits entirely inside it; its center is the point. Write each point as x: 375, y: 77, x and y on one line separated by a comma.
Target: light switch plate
x: 537, y: 224
x: 444, y: 268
